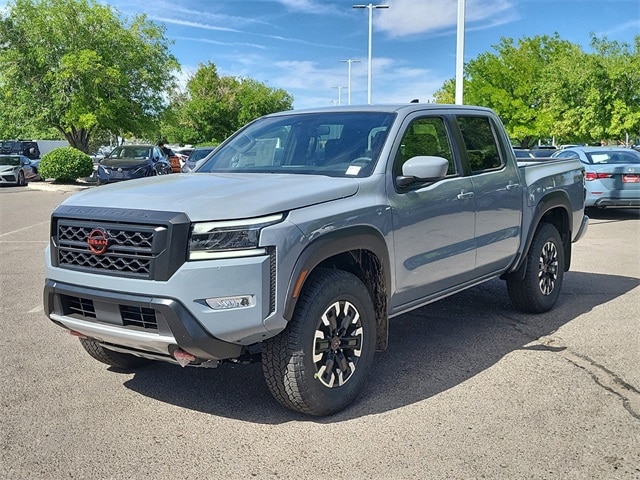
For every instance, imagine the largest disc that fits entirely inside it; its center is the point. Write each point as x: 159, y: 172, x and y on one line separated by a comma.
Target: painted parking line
x: 24, y: 228
x: 37, y: 309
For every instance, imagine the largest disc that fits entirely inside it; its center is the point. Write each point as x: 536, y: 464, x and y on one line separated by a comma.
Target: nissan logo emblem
x: 98, y: 240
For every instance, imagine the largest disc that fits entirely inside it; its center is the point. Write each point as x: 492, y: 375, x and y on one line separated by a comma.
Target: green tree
x: 511, y: 82
x: 76, y: 66
x: 596, y: 95
x: 545, y: 87
x: 212, y: 107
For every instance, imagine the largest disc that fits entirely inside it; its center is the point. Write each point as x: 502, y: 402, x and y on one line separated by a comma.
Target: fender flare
x: 557, y: 199
x: 332, y: 244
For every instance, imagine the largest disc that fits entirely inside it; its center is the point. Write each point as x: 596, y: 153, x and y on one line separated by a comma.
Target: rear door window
x: 480, y: 143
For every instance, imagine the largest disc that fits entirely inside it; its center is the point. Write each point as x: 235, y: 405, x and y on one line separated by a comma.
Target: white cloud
x: 313, y: 86
x: 188, y: 23
x: 632, y: 26
x: 410, y: 17
x: 308, y: 6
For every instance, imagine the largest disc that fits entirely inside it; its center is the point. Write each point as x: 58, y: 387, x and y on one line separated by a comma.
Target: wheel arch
x: 554, y: 208
x: 359, y: 250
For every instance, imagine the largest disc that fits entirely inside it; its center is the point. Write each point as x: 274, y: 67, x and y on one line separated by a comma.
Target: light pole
x: 460, y: 54
x: 340, y: 87
x: 370, y: 6
x: 349, y: 61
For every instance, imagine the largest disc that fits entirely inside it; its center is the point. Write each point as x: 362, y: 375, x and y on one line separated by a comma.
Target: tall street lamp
x: 460, y: 53
x: 371, y: 7
x: 349, y: 61
x: 340, y: 87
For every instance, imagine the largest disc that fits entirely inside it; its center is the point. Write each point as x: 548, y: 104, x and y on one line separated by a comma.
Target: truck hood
x: 217, y: 196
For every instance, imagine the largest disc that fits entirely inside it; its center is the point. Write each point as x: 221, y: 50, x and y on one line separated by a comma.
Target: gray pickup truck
x: 300, y: 236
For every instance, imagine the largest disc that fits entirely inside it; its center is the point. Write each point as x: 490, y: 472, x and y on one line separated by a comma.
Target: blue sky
x: 297, y: 45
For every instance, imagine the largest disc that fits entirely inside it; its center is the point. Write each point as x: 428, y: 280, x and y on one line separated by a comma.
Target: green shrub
x: 65, y: 165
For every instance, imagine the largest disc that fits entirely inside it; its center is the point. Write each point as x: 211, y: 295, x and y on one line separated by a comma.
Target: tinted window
x: 425, y: 136
x: 480, y: 143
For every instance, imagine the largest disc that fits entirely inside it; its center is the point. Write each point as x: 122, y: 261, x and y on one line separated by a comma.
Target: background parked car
x: 612, y: 175
x: 523, y: 153
x: 195, y: 157
x: 127, y: 162
x: 543, y: 151
x: 15, y: 170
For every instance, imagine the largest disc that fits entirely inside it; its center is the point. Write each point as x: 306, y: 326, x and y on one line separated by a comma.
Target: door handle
x: 512, y: 186
x: 465, y: 195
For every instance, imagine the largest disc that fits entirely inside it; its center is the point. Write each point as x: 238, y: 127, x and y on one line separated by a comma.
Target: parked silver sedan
x: 15, y: 170
x: 612, y: 175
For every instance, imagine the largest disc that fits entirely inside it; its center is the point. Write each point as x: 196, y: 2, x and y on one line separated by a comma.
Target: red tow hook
x: 77, y: 334
x: 183, y: 358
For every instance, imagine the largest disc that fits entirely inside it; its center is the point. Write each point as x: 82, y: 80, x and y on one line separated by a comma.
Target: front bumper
x: 8, y: 178
x: 133, y: 322
x: 119, y: 175
x: 159, y: 316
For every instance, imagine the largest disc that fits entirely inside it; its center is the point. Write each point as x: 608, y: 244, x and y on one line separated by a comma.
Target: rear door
x: 498, y: 193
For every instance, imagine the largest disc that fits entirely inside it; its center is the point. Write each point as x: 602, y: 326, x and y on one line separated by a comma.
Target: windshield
x: 13, y: 161
x: 332, y: 144
x: 131, y: 152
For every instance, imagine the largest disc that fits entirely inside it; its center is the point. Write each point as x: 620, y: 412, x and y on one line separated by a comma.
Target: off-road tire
x: 319, y: 363
x: 115, y: 359
x: 538, y: 290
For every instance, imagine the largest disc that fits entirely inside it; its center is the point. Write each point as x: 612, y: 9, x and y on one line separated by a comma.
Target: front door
x: 434, y: 246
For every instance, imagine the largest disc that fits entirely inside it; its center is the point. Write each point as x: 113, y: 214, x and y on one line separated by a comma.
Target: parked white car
x: 15, y: 170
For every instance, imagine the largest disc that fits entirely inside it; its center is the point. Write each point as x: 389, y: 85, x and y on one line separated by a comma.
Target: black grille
x: 77, y: 306
x: 138, y: 317
x: 130, y: 316
x: 130, y: 250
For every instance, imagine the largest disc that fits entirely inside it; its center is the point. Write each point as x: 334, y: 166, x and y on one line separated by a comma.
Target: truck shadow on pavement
x: 431, y: 350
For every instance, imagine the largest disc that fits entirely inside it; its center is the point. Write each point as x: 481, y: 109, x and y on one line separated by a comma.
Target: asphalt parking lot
x: 469, y: 388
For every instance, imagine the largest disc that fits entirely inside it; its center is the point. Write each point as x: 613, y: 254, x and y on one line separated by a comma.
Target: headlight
x: 233, y: 238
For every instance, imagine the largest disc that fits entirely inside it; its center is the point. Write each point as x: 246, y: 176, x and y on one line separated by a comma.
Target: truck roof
x: 390, y: 108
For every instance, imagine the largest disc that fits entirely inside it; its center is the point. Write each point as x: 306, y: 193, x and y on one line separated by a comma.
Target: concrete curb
x: 54, y: 187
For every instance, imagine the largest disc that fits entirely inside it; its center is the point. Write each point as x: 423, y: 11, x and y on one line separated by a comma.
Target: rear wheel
x: 115, y: 359
x: 538, y: 290
x: 319, y: 363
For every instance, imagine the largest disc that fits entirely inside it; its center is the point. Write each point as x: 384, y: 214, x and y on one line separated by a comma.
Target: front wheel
x: 22, y: 181
x: 115, y: 359
x: 538, y: 290
x: 319, y: 363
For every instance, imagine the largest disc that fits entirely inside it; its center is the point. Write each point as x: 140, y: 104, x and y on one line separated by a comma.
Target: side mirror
x: 423, y: 169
